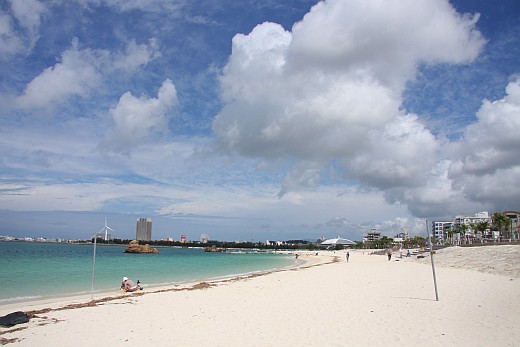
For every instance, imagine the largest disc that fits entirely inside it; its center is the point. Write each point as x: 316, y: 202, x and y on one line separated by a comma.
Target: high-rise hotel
x: 143, y: 231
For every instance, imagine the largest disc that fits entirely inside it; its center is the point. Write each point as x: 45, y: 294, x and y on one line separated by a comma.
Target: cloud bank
x: 330, y: 90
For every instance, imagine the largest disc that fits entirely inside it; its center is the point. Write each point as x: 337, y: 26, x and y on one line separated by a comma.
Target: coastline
x: 327, y: 300
x: 86, y: 298
x: 42, y: 271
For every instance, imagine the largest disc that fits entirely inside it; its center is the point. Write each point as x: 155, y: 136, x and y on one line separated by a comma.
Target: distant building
x: 471, y: 221
x: 401, y: 237
x: 514, y: 216
x: 372, y: 235
x: 274, y: 243
x: 439, y: 229
x: 296, y: 242
x: 144, y: 229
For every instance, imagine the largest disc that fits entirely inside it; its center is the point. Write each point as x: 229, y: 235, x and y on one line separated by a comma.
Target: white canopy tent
x: 337, y: 241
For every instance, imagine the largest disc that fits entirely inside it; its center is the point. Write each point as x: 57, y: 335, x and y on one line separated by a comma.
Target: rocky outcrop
x: 135, y: 247
x: 212, y: 249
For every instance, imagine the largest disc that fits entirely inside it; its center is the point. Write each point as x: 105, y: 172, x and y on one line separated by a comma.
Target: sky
x: 256, y: 120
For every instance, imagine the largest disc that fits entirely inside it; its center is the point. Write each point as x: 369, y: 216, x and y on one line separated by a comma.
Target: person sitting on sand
x: 130, y: 286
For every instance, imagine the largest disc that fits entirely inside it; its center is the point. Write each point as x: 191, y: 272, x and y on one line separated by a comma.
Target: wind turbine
x: 106, y: 228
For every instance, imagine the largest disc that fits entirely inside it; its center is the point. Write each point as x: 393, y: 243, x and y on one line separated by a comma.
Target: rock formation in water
x: 212, y: 248
x: 135, y: 247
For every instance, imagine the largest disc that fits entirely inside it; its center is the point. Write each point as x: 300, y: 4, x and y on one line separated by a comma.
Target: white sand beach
x: 368, y: 301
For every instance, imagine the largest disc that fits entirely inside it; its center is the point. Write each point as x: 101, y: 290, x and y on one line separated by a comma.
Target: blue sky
x: 256, y: 120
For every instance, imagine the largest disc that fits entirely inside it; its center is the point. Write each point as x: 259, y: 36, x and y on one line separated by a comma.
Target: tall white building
x: 439, y: 230
x: 143, y: 230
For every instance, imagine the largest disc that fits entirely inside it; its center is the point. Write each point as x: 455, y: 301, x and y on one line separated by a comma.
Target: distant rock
x: 135, y: 247
x: 212, y: 249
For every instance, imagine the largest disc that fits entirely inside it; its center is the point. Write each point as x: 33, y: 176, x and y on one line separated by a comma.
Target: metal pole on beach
x: 431, y: 257
x: 93, y: 268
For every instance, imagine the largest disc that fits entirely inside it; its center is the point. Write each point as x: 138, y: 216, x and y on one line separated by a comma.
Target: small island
x: 135, y: 247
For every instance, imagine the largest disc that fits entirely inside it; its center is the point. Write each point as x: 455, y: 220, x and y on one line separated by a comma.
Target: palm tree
x: 482, y: 227
x: 449, y: 231
x: 500, y: 221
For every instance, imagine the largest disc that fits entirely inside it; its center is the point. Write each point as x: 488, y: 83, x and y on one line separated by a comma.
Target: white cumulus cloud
x: 488, y: 165
x: 135, y: 117
x: 79, y: 71
x: 331, y: 89
x: 76, y: 74
x: 385, y: 39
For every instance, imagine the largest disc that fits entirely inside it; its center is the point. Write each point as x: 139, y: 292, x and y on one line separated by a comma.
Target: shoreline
x: 161, y: 271
x: 84, y: 299
x: 368, y: 300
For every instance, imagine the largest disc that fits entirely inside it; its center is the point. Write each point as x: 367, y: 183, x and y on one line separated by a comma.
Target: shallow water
x: 38, y: 270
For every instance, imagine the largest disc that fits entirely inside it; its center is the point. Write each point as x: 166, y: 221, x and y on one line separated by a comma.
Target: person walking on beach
x: 347, y: 256
x: 130, y: 286
x: 389, y: 253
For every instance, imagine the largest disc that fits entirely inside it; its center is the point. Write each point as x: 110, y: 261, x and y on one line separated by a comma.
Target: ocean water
x: 32, y: 271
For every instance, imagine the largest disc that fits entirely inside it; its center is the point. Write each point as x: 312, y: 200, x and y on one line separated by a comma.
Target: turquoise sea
x: 33, y: 271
